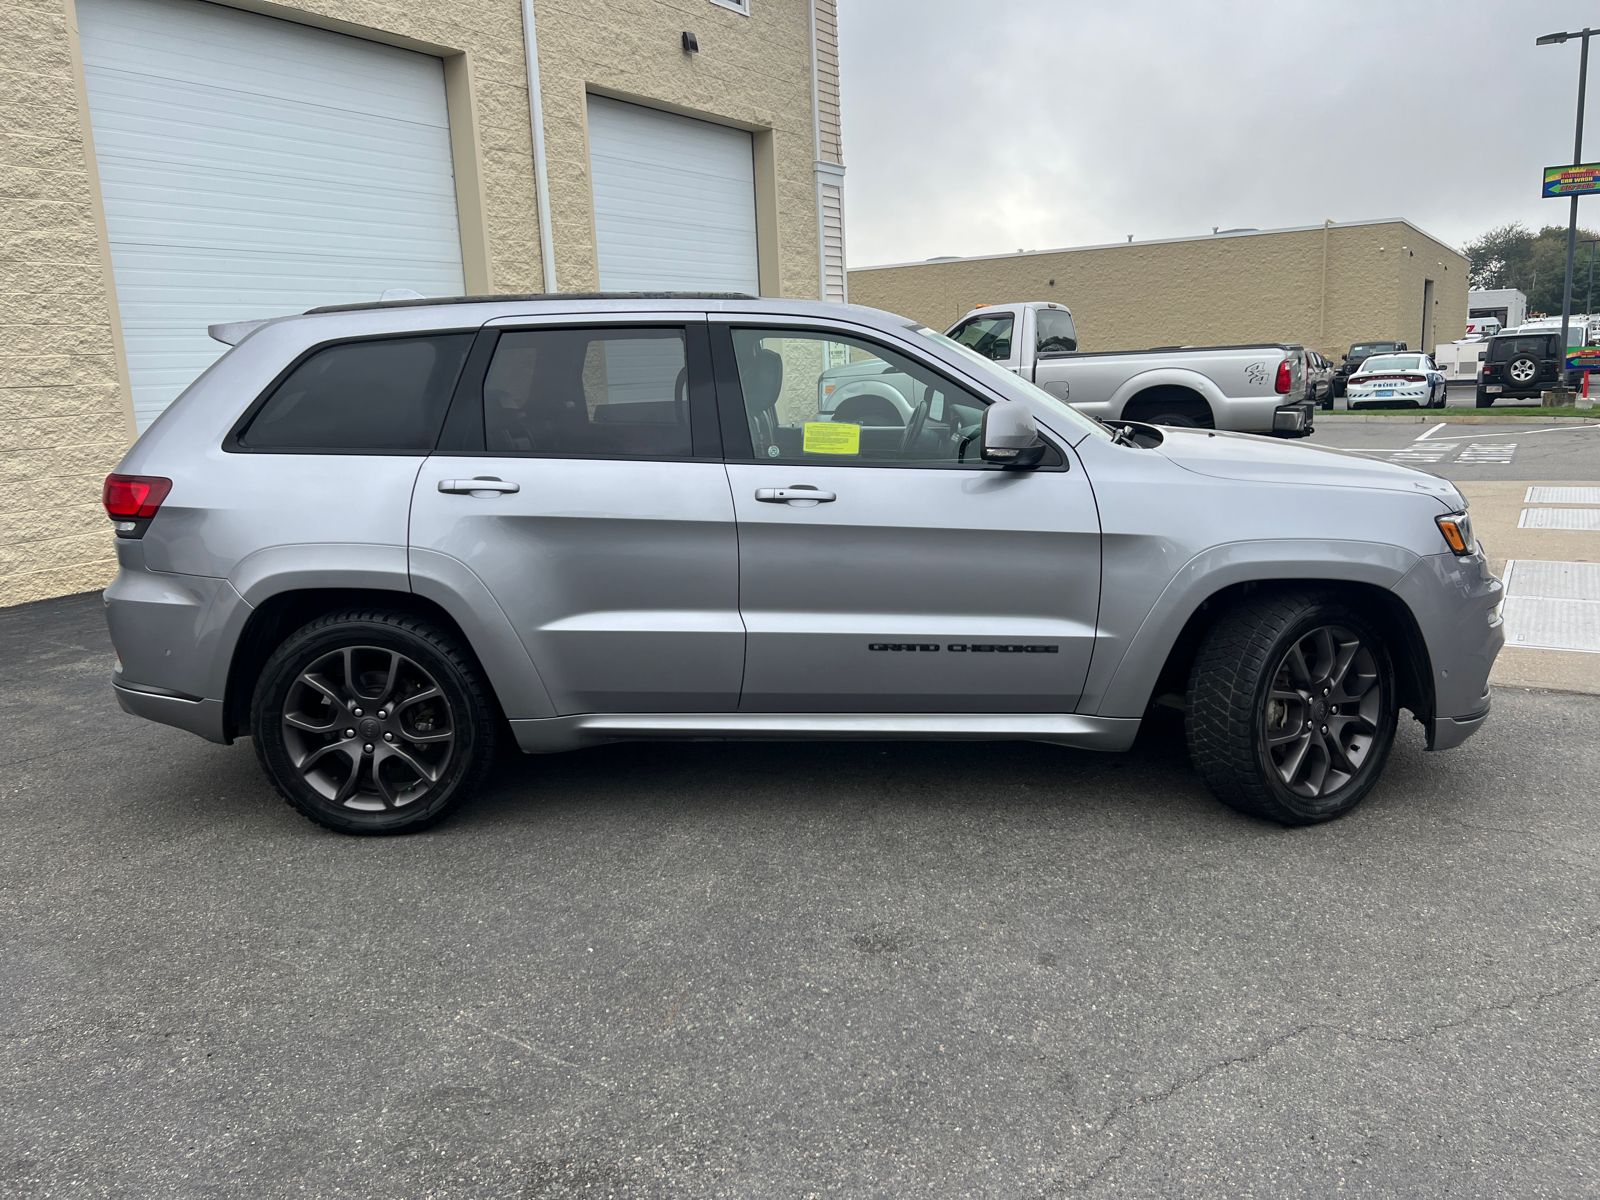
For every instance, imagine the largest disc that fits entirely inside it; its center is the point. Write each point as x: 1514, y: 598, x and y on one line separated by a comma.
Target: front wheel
x: 1291, y: 708
x: 373, y: 722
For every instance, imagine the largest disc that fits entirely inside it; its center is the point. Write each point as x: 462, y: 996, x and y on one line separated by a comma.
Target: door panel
x: 834, y: 594
x: 620, y: 577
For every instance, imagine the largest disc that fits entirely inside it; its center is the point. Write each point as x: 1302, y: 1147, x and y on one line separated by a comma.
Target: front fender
x: 1130, y: 651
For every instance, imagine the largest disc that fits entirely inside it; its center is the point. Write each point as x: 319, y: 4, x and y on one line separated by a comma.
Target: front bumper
x: 1456, y: 603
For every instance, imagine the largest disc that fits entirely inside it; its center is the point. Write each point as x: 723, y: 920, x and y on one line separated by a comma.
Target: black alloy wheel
x: 372, y: 722
x: 1292, y: 708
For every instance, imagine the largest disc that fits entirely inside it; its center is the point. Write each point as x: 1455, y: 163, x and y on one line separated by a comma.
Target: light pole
x: 1588, y: 306
x: 1556, y: 39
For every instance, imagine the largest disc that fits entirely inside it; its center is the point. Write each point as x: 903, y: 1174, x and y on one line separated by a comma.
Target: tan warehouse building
x: 167, y: 164
x: 1324, y: 286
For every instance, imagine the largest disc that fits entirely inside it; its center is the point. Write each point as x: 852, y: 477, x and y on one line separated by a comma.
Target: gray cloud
x: 984, y: 128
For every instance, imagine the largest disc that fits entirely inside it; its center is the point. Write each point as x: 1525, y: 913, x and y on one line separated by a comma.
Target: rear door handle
x: 785, y: 495
x: 486, y: 485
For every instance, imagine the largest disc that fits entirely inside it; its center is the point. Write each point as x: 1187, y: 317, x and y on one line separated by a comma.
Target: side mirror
x: 1345, y: 357
x: 1009, y: 435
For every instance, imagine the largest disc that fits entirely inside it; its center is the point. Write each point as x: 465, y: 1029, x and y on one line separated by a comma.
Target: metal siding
x: 833, y: 272
x: 254, y: 167
x: 674, y: 201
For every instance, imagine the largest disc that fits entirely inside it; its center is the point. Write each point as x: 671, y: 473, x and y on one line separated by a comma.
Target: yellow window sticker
x: 825, y: 437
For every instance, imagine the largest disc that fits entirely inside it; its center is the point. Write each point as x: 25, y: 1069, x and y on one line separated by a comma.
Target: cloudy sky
x: 979, y: 128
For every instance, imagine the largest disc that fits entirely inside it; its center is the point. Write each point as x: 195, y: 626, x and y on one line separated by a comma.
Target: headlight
x: 1457, y: 530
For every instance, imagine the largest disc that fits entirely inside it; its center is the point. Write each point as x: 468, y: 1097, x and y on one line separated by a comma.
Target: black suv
x: 1519, y: 365
x: 1359, y: 353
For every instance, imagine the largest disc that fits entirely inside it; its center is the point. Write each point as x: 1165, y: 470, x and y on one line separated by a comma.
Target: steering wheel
x: 914, y: 424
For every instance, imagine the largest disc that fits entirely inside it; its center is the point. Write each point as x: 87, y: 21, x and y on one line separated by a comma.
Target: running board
x: 549, y: 735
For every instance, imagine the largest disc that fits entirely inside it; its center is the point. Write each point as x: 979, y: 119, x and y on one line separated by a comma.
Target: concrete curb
x: 1434, y: 416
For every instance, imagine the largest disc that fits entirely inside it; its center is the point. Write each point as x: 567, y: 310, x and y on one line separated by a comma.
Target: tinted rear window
x: 1504, y: 349
x: 388, y: 395
x: 592, y: 393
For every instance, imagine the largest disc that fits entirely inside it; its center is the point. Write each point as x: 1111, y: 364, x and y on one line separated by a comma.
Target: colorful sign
x: 1585, y: 358
x: 1581, y: 180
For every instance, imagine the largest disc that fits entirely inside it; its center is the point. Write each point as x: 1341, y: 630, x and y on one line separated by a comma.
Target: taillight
x: 132, y: 498
x: 1282, y: 386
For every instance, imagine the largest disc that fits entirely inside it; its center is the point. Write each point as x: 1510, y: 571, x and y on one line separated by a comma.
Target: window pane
x: 989, y: 336
x: 817, y: 398
x: 1056, y: 332
x: 378, y: 395
x: 595, y: 393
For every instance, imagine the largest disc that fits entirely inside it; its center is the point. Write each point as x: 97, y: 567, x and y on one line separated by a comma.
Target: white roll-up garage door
x: 252, y: 167
x: 674, y: 201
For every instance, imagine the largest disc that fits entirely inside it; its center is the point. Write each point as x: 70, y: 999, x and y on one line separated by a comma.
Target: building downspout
x: 1322, y: 321
x: 541, y: 176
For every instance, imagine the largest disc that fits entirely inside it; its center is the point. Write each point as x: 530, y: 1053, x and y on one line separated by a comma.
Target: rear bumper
x: 1294, y: 420
x: 203, y: 717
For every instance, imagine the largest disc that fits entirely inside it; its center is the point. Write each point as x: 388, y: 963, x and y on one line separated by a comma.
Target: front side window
x: 1056, y: 335
x: 588, y: 393
x: 989, y: 336
x: 382, y: 396
x: 827, y: 399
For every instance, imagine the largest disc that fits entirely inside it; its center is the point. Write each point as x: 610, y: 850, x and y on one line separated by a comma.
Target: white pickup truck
x: 1248, y: 389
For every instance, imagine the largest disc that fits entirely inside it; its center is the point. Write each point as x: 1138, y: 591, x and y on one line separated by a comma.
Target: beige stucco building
x: 153, y: 181
x: 1324, y: 286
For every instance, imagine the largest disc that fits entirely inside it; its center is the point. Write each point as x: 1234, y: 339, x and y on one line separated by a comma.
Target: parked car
x: 1319, y: 379
x: 1249, y: 389
x: 374, y: 538
x: 1359, y: 353
x: 1393, y: 380
x: 1520, y: 365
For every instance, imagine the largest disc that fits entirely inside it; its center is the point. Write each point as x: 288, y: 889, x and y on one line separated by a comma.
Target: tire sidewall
x: 1337, y: 803
x: 313, y: 642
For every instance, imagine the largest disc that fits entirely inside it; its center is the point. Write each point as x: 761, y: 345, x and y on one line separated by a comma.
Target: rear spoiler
x: 231, y: 333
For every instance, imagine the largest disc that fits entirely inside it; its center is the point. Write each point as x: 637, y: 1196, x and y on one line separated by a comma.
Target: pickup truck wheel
x: 372, y: 722
x: 1291, y: 708
x: 1175, y: 420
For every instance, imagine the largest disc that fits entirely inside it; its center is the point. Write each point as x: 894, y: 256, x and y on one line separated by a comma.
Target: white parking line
x: 1482, y: 452
x: 1424, y: 437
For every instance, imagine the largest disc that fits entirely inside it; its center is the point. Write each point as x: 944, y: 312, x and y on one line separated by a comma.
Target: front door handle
x: 799, y: 493
x: 484, y: 485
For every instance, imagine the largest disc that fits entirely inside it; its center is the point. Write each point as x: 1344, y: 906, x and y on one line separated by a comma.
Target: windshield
x: 1071, y: 417
x: 1391, y: 362
x: 1370, y: 348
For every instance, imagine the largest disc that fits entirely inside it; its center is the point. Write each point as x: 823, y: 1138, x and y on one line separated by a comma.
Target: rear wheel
x: 372, y: 722
x: 1291, y: 708
x: 1483, y: 400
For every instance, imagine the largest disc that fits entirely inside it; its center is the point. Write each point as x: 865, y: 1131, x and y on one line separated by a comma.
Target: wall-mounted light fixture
x: 691, y: 44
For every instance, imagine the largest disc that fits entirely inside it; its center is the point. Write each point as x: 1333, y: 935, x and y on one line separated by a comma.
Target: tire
x: 1521, y: 372
x: 1483, y: 400
x: 339, y: 749
x: 1254, y: 683
x: 1175, y: 420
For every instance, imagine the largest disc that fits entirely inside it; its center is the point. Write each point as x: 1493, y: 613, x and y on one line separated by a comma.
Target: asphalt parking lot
x: 1491, y: 451
x: 790, y: 970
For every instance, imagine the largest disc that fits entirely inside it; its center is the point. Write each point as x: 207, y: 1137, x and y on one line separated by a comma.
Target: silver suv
x: 380, y: 538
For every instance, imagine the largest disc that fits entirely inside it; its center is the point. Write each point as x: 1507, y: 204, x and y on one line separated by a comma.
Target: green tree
x: 1536, y: 263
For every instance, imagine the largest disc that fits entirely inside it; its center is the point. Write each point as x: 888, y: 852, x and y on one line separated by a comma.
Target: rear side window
x: 589, y: 393
x: 989, y: 336
x: 382, y: 396
x: 1056, y: 333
